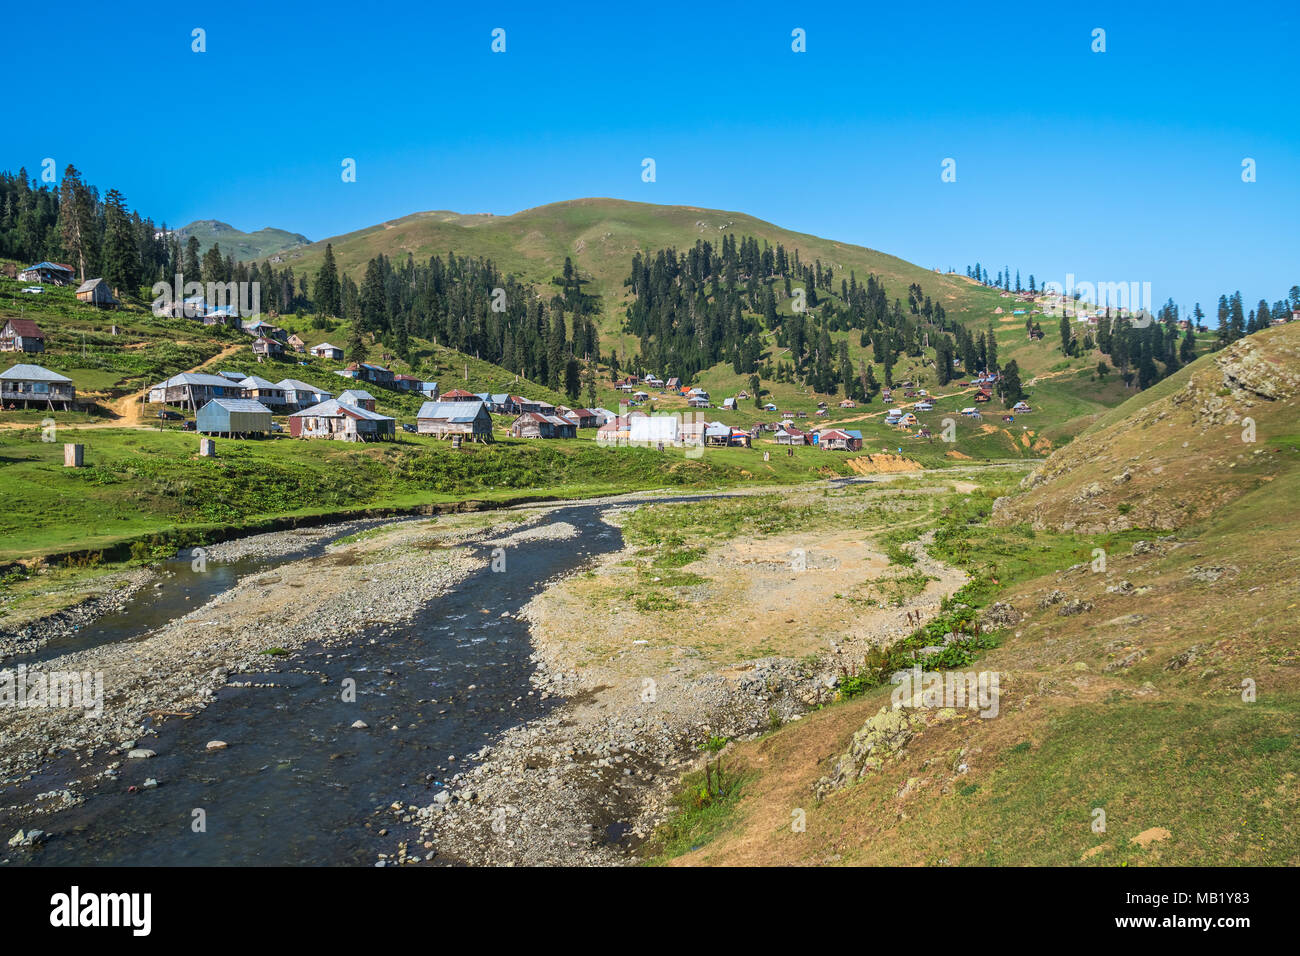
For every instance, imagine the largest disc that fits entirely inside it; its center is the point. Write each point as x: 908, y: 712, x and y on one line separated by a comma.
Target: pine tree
x: 373, y: 300
x: 1009, y: 384
x: 357, y: 350
x: 329, y: 297
x: 190, y: 267
x: 121, y: 257
x: 1187, y: 350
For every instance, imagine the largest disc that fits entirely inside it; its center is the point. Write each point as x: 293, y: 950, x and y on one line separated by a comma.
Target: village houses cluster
x: 238, y: 405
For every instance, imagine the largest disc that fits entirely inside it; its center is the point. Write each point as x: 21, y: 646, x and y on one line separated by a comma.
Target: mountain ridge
x: 258, y: 244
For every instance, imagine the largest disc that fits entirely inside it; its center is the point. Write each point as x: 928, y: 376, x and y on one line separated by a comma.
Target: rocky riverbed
x: 114, y: 592
x: 581, y: 776
x: 588, y: 782
x: 177, y: 669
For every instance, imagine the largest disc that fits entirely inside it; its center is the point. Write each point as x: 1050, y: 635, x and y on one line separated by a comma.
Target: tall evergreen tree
x: 328, y: 293
x: 121, y: 257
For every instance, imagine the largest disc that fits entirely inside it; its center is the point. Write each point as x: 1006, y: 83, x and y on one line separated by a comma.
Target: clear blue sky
x: 1116, y: 166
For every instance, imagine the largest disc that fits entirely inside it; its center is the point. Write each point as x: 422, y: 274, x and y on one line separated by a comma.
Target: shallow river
x: 299, y: 785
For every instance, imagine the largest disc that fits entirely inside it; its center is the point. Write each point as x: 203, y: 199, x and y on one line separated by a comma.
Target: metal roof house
x: 96, y: 292
x: 268, y: 393
x: 234, y: 418
x: 339, y: 421
x: 358, y: 397
x: 52, y: 272
x: 301, y: 395
x: 265, y: 346
x: 325, y: 350
x: 582, y: 417
x: 21, y: 335
x: 840, y: 440
x: 367, y: 372
x: 193, y: 389
x: 445, y: 419
x: 537, y: 425
x: 33, y: 384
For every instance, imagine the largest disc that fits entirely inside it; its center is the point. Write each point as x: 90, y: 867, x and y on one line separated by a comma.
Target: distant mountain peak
x: 242, y: 245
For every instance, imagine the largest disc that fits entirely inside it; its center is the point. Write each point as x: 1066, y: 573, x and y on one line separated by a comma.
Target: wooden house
x: 301, y: 395
x: 268, y: 393
x: 368, y: 372
x: 537, y: 425
x: 460, y: 395
x: 54, y: 273
x: 96, y: 292
x: 789, y: 435
x: 1021, y: 407
x: 358, y: 397
x: 233, y: 418
x: 258, y: 328
x: 21, y: 335
x: 267, y: 347
x: 297, y: 344
x: 325, y: 350
x: 194, y: 389
x: 34, y: 385
x: 839, y: 439
x: 445, y: 419
x: 582, y: 417
x: 982, y: 396
x: 340, y: 421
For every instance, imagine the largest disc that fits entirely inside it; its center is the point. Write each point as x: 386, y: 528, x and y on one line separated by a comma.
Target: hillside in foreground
x: 1148, y: 704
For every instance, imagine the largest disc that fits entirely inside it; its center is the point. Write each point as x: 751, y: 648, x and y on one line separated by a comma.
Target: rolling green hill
x: 242, y: 245
x: 601, y: 236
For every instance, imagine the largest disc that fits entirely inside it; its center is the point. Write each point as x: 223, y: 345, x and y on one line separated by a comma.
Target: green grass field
x: 152, y: 482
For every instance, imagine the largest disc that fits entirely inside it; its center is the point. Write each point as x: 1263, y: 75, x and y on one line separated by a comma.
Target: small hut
x: 234, y: 418
x: 96, y: 292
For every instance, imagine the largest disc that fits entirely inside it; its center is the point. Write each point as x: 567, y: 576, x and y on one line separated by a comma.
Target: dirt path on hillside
x: 130, y: 408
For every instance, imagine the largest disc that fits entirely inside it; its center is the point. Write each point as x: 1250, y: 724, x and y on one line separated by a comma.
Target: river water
x: 298, y: 784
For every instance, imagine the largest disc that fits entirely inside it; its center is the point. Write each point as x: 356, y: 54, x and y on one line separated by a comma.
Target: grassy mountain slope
x: 1180, y: 450
x: 601, y: 236
x: 242, y: 245
x: 1153, y: 722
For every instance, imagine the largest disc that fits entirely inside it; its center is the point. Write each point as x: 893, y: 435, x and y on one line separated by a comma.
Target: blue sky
x: 1116, y: 166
